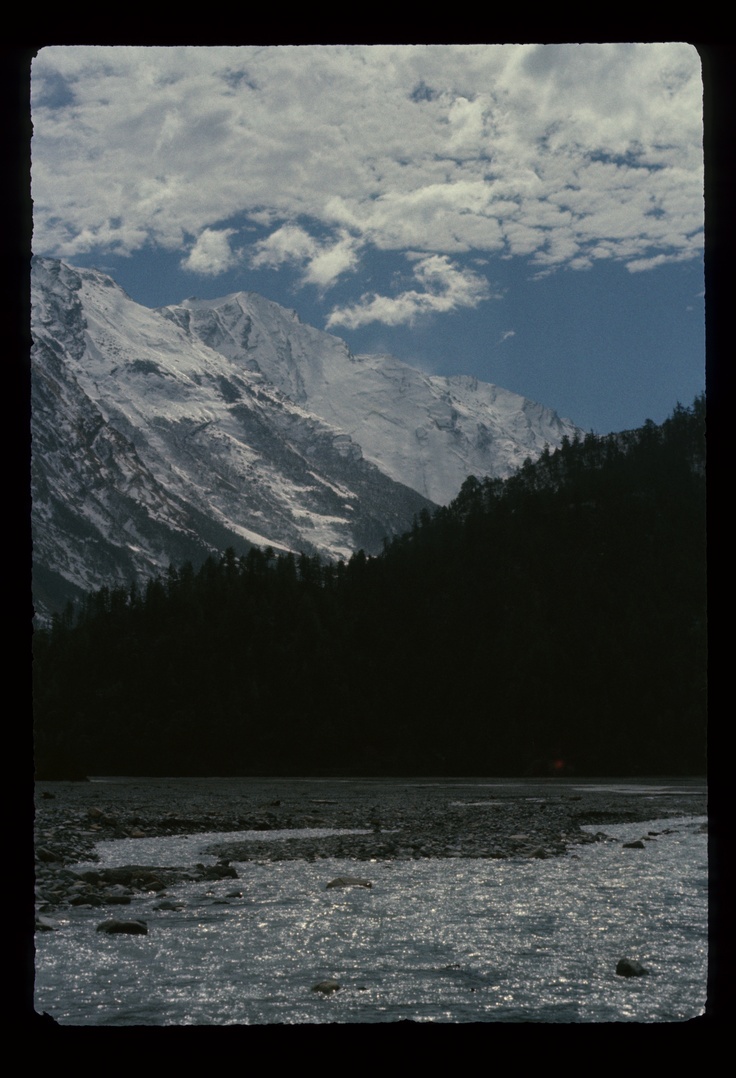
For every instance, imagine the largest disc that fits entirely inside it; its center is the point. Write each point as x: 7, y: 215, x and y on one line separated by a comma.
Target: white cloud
x: 322, y: 263
x: 444, y: 287
x: 211, y: 254
x: 287, y: 244
x: 553, y: 152
x: 639, y: 264
x: 466, y: 119
x: 330, y: 262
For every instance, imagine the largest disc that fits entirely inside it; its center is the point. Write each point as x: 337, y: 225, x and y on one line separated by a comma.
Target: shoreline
x: 407, y: 818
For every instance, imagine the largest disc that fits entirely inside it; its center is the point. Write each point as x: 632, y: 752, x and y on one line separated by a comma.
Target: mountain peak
x: 163, y: 435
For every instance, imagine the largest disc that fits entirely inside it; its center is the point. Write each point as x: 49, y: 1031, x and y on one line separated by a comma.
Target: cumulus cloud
x: 562, y: 154
x: 331, y: 261
x: 211, y: 254
x: 322, y: 262
x: 287, y: 244
x: 444, y: 287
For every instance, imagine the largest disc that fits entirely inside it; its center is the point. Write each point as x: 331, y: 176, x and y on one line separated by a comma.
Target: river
x: 450, y: 940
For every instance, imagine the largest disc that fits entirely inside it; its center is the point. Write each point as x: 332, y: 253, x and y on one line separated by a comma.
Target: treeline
x: 554, y: 622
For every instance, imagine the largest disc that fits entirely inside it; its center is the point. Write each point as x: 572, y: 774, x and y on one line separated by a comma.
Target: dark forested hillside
x: 554, y: 622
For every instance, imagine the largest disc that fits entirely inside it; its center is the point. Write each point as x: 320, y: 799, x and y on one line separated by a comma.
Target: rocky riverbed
x: 403, y: 818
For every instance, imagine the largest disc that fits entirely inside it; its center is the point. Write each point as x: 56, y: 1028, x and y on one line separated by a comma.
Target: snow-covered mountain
x: 423, y: 430
x: 163, y: 435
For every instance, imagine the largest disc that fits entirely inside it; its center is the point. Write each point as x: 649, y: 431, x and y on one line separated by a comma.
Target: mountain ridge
x: 163, y: 435
x: 449, y: 426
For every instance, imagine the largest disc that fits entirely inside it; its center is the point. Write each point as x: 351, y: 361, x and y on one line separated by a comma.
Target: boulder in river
x: 130, y: 928
x: 348, y: 881
x: 629, y: 967
x: 326, y: 987
x: 220, y: 871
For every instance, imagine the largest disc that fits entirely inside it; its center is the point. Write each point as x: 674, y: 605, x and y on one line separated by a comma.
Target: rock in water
x: 348, y: 881
x: 629, y: 967
x: 130, y: 928
x: 326, y: 987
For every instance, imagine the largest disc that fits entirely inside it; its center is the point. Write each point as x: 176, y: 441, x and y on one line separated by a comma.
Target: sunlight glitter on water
x: 434, y: 940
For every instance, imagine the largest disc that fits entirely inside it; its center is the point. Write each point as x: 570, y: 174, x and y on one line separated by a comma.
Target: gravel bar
x: 406, y: 819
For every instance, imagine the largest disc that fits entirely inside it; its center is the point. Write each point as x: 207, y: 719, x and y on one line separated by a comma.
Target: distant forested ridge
x: 553, y: 622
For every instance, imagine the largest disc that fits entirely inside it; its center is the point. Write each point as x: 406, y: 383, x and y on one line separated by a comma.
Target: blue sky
x: 531, y: 215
